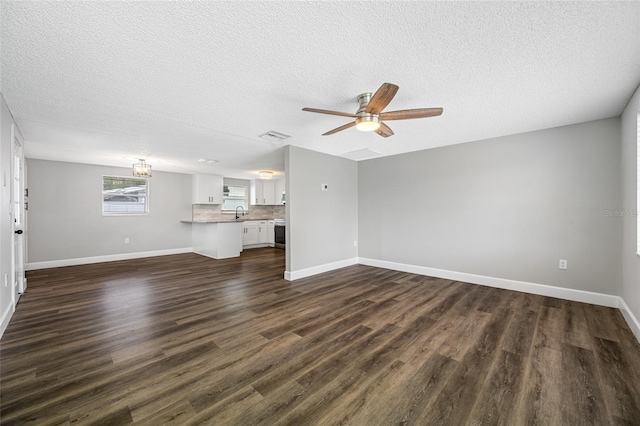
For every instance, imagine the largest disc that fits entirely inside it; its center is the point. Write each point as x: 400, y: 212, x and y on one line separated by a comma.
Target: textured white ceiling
x: 97, y: 82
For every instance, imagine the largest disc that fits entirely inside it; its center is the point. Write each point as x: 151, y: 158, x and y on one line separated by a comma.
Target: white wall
x: 508, y: 207
x: 321, y: 225
x: 6, y: 215
x: 630, y: 261
x: 66, y: 222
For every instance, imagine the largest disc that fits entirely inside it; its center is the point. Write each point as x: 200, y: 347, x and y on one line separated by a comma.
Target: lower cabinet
x: 262, y: 231
x: 256, y: 232
x: 250, y: 233
x: 271, y: 235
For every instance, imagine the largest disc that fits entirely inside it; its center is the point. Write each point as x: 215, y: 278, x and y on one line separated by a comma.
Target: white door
x: 17, y: 204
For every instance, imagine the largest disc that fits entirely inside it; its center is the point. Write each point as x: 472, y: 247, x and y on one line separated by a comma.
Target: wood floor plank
x: 414, y: 391
x: 454, y: 403
x: 234, y: 406
x: 265, y: 411
x: 313, y: 350
x: 356, y: 375
x: 240, y: 373
x: 540, y: 396
x: 475, y: 294
x: 344, y: 409
x: 464, y: 337
x: 185, y: 339
x: 582, y: 395
x: 617, y: 389
x: 601, y: 324
x: 576, y: 329
x: 519, y: 335
x: 414, y: 309
x: 549, y: 328
x: 178, y: 413
x: 496, y: 402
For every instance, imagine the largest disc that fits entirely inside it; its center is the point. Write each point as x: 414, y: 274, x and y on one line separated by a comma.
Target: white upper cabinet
x: 207, y: 189
x: 256, y: 191
x: 266, y: 192
x: 279, y: 190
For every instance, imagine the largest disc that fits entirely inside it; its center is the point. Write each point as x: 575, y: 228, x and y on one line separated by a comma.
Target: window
x: 234, y: 197
x: 124, y: 196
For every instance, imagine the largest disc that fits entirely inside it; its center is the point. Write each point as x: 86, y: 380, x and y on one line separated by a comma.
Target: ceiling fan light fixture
x: 367, y: 123
x: 371, y: 111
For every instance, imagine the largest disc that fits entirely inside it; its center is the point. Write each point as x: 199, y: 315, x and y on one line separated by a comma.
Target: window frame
x: 126, y: 214
x: 225, y: 197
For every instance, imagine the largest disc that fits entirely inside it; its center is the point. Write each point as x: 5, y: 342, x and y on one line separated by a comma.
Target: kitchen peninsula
x: 219, y: 235
x: 219, y: 239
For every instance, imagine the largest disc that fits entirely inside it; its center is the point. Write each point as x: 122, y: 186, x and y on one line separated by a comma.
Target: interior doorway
x: 17, y: 210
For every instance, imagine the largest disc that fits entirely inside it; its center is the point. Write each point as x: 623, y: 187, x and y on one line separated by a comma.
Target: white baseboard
x: 527, y: 287
x: 307, y: 272
x: 259, y: 245
x: 32, y: 266
x: 6, y: 317
x: 633, y: 322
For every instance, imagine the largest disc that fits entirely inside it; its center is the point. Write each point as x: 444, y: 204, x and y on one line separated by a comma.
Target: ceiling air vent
x: 206, y: 160
x: 274, y: 136
x: 361, y: 154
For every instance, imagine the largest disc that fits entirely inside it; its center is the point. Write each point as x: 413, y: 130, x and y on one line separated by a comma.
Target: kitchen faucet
x: 239, y: 207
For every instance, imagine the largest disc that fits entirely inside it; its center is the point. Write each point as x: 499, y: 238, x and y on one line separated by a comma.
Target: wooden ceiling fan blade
x: 407, y: 114
x: 381, y: 98
x: 384, y: 131
x: 339, y: 129
x: 326, y: 111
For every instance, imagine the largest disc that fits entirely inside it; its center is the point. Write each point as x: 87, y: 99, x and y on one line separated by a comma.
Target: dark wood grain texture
x: 189, y: 340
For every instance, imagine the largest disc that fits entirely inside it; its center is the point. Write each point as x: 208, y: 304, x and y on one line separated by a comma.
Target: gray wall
x: 630, y: 261
x: 508, y: 207
x: 65, y: 213
x: 321, y: 225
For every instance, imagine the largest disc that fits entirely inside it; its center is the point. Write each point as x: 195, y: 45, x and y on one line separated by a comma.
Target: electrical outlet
x: 562, y: 264
x: 126, y: 241
x: 355, y: 243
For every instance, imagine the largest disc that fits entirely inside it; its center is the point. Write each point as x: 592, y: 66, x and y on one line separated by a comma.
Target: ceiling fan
x: 369, y: 116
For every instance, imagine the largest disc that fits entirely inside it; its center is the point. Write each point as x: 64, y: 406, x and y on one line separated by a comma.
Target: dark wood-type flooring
x: 188, y: 340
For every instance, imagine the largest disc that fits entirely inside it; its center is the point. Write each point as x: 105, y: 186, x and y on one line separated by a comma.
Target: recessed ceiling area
x: 100, y: 82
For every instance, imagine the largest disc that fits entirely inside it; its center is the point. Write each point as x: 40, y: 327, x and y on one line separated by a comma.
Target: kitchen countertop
x: 225, y: 220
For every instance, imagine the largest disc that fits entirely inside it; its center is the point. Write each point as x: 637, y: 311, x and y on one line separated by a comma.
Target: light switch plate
x: 325, y: 187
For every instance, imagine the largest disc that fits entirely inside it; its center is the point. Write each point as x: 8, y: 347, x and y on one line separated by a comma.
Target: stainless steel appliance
x: 279, y: 229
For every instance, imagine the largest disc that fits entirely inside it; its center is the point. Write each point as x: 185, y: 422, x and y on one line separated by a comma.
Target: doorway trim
x: 18, y: 218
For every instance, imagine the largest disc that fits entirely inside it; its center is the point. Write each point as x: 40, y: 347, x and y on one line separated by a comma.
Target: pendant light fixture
x: 141, y: 168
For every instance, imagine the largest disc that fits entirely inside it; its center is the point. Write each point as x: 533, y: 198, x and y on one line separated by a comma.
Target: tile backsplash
x: 204, y: 212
